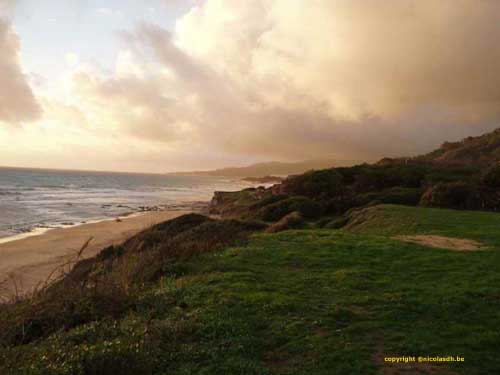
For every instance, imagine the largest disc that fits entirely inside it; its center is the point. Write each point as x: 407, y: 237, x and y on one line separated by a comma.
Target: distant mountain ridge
x: 272, y: 168
x: 480, y: 151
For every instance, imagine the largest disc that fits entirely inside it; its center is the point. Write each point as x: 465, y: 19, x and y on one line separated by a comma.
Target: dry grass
x: 293, y: 220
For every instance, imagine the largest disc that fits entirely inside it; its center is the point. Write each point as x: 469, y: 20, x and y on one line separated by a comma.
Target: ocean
x: 34, y: 200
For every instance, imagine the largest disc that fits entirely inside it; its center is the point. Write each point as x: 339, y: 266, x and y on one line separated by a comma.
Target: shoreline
x: 28, y: 262
x: 197, y: 206
x: 40, y: 231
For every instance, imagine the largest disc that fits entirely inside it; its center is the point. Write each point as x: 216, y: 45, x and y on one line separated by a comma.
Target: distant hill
x: 273, y: 168
x: 480, y: 151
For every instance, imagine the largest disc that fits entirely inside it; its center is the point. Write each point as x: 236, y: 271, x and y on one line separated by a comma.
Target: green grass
x: 390, y: 220
x: 310, y: 301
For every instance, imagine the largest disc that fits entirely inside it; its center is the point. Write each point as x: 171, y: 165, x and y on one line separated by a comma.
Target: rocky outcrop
x: 237, y: 203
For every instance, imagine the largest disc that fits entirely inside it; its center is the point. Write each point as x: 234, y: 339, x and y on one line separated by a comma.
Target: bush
x: 268, y: 200
x: 396, y: 195
x: 339, y: 205
x: 448, y: 173
x: 305, y: 206
x: 316, y: 184
x: 380, y: 177
x: 367, y: 178
x: 447, y: 195
x: 145, y: 266
x: 461, y: 195
x: 62, y: 306
x: 162, y: 232
x: 492, y: 177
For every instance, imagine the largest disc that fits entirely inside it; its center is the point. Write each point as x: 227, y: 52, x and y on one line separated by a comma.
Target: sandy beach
x: 28, y: 262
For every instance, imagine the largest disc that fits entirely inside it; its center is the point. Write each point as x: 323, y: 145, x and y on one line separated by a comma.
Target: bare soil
x: 441, y: 242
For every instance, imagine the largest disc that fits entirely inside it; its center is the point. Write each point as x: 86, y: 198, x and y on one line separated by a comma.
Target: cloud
x: 63, y: 114
x: 298, y: 79
x: 6, y: 7
x: 17, y: 101
x: 399, y: 62
x: 72, y: 59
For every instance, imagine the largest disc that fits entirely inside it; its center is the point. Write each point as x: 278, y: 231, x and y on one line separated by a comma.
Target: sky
x: 170, y: 85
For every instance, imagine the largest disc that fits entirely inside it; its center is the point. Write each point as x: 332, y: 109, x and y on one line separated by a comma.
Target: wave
x: 9, y: 193
x: 31, y: 201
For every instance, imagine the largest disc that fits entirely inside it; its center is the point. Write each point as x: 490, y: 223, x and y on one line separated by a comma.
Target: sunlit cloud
x: 260, y: 78
x: 17, y: 101
x: 284, y: 79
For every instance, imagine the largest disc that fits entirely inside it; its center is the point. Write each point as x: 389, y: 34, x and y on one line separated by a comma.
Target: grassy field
x: 311, y: 301
x: 389, y: 220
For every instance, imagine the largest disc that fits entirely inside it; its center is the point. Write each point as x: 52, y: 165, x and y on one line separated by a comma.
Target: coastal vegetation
x: 461, y: 175
x: 331, y: 271
x: 310, y: 301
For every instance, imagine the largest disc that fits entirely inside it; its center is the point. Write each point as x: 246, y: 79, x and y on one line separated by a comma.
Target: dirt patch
x: 441, y: 242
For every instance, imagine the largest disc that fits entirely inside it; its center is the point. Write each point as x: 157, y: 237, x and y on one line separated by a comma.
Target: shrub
x: 160, y: 233
x: 145, y: 266
x: 396, y: 195
x: 316, y: 184
x: 367, y: 178
x: 491, y: 177
x: 339, y: 205
x: 379, y: 177
x: 449, y: 195
x: 60, y: 306
x: 448, y: 173
x: 268, y: 200
x: 305, y: 206
x: 461, y: 195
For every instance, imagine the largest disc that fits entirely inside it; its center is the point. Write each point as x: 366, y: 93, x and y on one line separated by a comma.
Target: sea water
x: 33, y: 199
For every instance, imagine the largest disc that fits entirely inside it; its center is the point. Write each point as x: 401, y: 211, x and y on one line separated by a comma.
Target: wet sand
x: 27, y: 263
